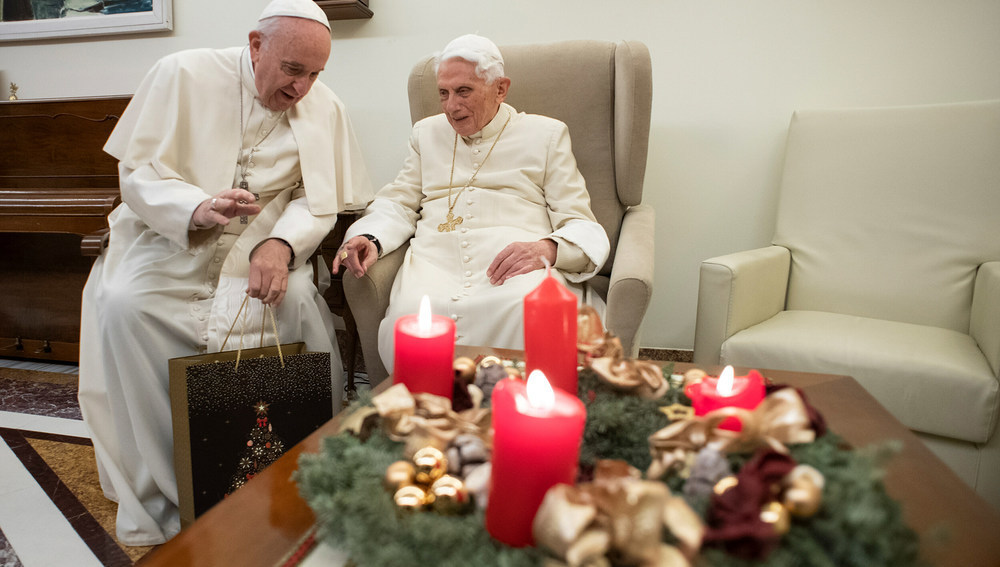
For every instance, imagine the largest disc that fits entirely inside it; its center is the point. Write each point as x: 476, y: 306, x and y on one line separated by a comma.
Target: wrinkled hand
x: 224, y: 206
x: 520, y: 258
x: 357, y: 255
x: 269, y: 272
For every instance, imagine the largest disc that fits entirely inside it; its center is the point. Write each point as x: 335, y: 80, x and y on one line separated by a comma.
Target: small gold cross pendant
x: 451, y: 221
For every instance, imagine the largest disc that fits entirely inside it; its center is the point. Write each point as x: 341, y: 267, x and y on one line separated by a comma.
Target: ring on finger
x: 343, y: 255
x: 212, y: 204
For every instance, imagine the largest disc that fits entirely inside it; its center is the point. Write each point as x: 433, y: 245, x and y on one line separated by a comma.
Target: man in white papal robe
x: 234, y: 164
x: 486, y: 197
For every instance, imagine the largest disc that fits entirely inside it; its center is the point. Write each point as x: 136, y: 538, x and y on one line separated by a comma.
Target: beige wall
x: 727, y: 75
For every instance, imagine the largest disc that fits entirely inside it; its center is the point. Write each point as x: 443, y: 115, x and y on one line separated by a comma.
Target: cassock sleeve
x: 583, y: 245
x: 165, y: 204
x: 301, y: 229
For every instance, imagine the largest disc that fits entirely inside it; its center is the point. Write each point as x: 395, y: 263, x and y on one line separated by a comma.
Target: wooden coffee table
x: 265, y: 521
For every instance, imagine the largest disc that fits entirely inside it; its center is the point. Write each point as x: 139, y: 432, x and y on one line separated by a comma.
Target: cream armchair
x: 603, y: 92
x: 885, y: 266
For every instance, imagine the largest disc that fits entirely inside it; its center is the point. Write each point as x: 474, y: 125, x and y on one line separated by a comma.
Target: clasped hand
x: 222, y: 207
x: 520, y: 258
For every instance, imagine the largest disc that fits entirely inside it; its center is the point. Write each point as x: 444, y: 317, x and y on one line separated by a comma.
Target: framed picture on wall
x: 38, y: 19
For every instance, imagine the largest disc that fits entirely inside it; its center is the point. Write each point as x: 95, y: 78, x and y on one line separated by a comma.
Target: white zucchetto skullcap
x: 470, y: 45
x: 306, y: 9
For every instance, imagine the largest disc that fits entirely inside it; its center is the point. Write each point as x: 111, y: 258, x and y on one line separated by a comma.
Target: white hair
x: 474, y: 49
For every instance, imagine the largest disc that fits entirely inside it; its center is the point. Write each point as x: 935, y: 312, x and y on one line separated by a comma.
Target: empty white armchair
x: 885, y: 266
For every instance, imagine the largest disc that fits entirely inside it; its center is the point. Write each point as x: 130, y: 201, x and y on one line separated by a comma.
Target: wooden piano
x: 57, y: 187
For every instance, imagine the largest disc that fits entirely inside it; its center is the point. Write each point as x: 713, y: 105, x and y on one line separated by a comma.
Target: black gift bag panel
x: 241, y: 420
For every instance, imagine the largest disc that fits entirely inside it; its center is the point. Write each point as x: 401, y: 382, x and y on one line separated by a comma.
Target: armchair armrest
x: 368, y: 297
x: 737, y: 291
x: 984, y: 325
x: 631, y: 285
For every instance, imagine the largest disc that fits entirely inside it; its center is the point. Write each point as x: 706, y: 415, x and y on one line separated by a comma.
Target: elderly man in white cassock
x: 234, y: 164
x: 486, y: 198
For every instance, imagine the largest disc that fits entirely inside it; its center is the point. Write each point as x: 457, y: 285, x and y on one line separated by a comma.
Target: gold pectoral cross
x: 451, y: 221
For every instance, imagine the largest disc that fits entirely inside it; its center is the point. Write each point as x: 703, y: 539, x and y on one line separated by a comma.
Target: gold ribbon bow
x: 780, y: 419
x: 621, y: 512
x: 421, y: 419
x: 606, y: 357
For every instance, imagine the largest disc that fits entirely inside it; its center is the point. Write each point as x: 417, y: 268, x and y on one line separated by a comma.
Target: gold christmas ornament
x: 803, y: 493
x: 465, y: 369
x: 450, y: 495
x: 398, y: 475
x: 776, y: 514
x: 803, y: 501
x: 430, y: 464
x: 412, y: 497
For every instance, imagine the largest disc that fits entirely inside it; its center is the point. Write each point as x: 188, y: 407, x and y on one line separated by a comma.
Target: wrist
x: 378, y: 245
x: 291, y: 251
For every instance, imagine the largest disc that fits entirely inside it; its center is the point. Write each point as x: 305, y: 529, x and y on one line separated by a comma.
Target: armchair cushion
x: 934, y: 380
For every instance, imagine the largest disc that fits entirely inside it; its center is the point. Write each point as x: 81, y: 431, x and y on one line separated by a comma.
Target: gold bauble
x: 803, y: 500
x: 777, y: 515
x: 429, y: 464
x: 450, y: 495
x: 398, y: 475
x: 724, y: 484
x: 465, y: 369
x: 412, y: 497
x: 803, y: 492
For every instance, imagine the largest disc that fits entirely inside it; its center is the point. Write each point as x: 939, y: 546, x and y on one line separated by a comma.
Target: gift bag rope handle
x: 274, y: 325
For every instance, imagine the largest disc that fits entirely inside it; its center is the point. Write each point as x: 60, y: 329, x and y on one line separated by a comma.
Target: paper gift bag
x: 235, y: 412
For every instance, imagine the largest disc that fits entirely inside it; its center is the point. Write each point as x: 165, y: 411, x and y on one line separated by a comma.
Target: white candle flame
x: 540, y: 394
x: 725, y: 385
x: 424, y: 317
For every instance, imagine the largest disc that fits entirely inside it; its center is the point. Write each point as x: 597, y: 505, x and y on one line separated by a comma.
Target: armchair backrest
x: 602, y: 90
x: 889, y: 212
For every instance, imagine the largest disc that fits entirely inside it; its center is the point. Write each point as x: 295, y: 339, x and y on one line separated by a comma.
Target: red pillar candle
x: 727, y: 391
x: 550, y: 333
x: 536, y: 444
x: 424, y: 352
